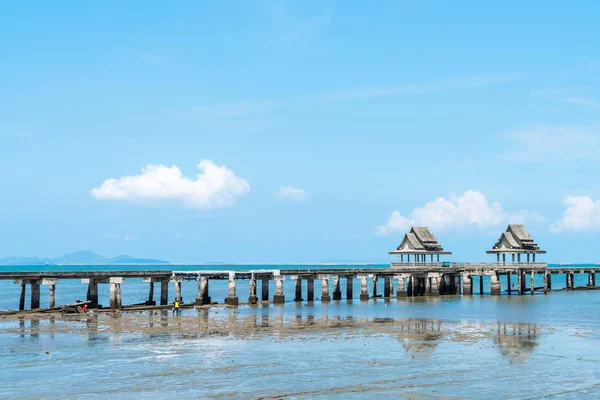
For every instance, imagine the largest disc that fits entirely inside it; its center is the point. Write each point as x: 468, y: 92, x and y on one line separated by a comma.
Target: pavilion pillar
x: 427, y: 281
x: 527, y: 257
x: 374, y: 279
x: 364, y: 292
x: 202, y: 298
x: 298, y: 293
x: 337, y: 293
x: 532, y: 282
x: 504, y: 257
x: 264, y: 292
x: 349, y: 288
x: 533, y: 255
x: 325, y: 288
x: 401, y: 292
x: 592, y: 279
x: 467, y: 285
x: 387, y: 286
x: 498, y: 257
x: 438, y: 257
x: 279, y: 298
x: 164, y: 292
x: 513, y: 257
x: 496, y: 287
x: 519, y: 257
x: 310, y: 289
x: 252, y: 297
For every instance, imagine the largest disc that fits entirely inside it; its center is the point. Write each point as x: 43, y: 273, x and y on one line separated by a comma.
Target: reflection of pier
x: 516, y: 341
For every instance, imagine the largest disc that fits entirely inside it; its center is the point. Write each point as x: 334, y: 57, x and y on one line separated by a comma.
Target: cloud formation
x: 469, y: 209
x: 582, y: 214
x: 214, y: 187
x: 290, y: 192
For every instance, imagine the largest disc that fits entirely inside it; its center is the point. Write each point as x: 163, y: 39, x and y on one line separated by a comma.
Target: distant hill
x: 80, y: 258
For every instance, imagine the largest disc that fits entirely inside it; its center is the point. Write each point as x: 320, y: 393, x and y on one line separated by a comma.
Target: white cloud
x: 582, y: 214
x: 214, y: 187
x: 129, y: 237
x: 469, y: 209
x: 554, y: 142
x: 290, y: 192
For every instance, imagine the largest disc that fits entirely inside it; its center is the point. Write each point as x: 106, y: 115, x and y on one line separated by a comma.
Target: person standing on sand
x: 176, y: 307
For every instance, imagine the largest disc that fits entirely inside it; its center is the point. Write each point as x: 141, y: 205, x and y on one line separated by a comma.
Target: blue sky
x: 326, y: 128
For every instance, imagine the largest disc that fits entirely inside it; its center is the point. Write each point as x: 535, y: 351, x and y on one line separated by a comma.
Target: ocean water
x: 472, y: 347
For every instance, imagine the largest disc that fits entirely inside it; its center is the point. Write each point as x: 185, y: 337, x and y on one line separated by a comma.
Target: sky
x: 297, y: 131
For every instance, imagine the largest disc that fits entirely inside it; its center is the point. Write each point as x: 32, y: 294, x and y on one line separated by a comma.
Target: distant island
x: 80, y: 258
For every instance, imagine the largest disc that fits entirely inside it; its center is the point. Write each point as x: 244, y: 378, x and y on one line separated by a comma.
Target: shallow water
x: 474, y: 347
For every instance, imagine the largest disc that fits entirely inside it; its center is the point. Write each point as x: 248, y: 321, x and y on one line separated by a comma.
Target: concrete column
x: 374, y: 279
x: 532, y: 283
x: 252, y: 297
x: 435, y: 285
x: 549, y: 279
x: 364, y: 292
x: 115, y: 293
x: 337, y: 293
x: 52, y: 290
x: 546, y: 276
x: 310, y: 289
x: 22, y: 296
x: 264, y: 295
x: 325, y: 288
x: 150, y: 293
x: 279, y: 298
x: 164, y: 292
x: 92, y: 291
x: 508, y: 283
x: 178, y: 290
x: 35, y: 294
x: 401, y: 292
x: 591, y: 279
x: 409, y: 286
x: 520, y: 282
x: 420, y: 285
x: 427, y: 282
x: 467, y: 285
x: 457, y: 284
x: 496, y: 287
x: 231, y: 298
x: 349, y: 288
x: 387, y: 286
x: 298, y: 294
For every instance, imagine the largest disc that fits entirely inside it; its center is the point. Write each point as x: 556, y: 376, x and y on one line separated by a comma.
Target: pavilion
x: 516, y: 240
x: 419, y: 242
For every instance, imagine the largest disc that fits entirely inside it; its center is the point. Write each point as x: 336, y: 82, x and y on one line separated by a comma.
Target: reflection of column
x: 232, y: 298
x: 279, y: 298
x: 337, y: 293
x: 401, y: 292
x: 496, y: 287
x: 298, y: 294
x: 364, y: 293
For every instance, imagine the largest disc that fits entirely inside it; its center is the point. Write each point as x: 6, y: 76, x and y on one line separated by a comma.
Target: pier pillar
x: 592, y: 279
x: 264, y: 292
x: 401, y: 292
x: 337, y: 293
x: 298, y: 294
x: 457, y: 289
x: 164, y: 292
x: 549, y: 278
x: 310, y: 289
x: 150, y: 293
x: 349, y: 288
x: 521, y: 282
x: 35, y: 294
x: 546, y: 276
x: 324, y: 288
x: 374, y: 279
x: 570, y: 283
x: 387, y: 286
x: 427, y: 281
x: 252, y: 297
x: 421, y: 286
x: 202, y: 297
x: 532, y: 282
x: 51, y: 283
x: 481, y: 285
x: 22, y: 296
x: 231, y: 298
x: 451, y: 284
x: 409, y: 286
x: 364, y: 292
x: 467, y: 285
x: 496, y: 287
x: 435, y: 285
x: 92, y: 295
x: 115, y: 293
x: 279, y: 298
x: 508, y: 283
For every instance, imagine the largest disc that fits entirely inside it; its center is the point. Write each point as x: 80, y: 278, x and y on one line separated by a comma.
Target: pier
x: 403, y: 279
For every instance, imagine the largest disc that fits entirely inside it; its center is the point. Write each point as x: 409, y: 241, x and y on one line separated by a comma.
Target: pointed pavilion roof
x: 419, y: 240
x: 516, y: 239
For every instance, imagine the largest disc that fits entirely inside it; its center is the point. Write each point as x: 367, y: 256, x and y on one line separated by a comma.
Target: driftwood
x: 75, y: 308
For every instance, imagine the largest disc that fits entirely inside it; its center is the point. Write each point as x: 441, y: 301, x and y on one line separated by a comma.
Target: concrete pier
x: 324, y: 288
x: 310, y: 289
x: 434, y: 289
x: 349, y: 288
x: 364, y: 292
x: 164, y: 292
x: 298, y: 286
x: 496, y: 288
x: 150, y: 300
x: 178, y: 289
x: 51, y: 283
x: 279, y: 298
x: 481, y: 285
x: 387, y: 287
x: 115, y: 293
x: 22, y: 295
x: 591, y: 279
x: 231, y: 298
x: 508, y: 283
x: 532, y: 283
x: 467, y: 285
x: 203, y: 297
x: 252, y: 297
x: 337, y: 293
x: 264, y: 292
x: 401, y: 291
x: 374, y: 280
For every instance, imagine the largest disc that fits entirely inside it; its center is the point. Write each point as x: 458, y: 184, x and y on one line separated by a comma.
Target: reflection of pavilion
x: 420, y: 338
x: 517, y: 341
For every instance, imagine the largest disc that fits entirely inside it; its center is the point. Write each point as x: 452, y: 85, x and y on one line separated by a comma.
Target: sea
x: 447, y: 347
